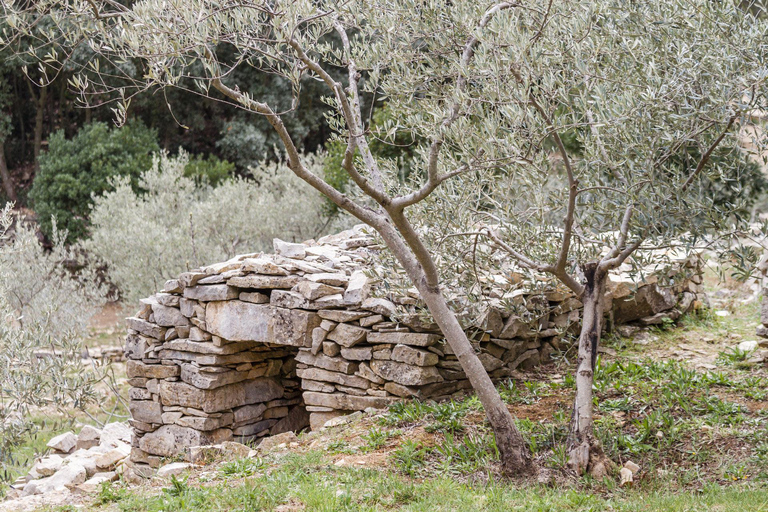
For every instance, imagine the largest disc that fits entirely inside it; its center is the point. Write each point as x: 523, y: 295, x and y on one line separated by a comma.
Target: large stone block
x: 243, y: 321
x: 202, y: 347
x: 145, y: 328
x: 222, y: 398
x: 346, y: 402
x: 212, y: 292
x: 337, y: 378
x: 210, y: 380
x: 264, y: 282
x: 647, y: 301
x: 147, y: 411
x: 166, y: 316
x: 171, y: 440
x: 405, y: 374
x: 347, y: 335
x: 410, y: 355
x: 151, y: 371
x: 404, y: 338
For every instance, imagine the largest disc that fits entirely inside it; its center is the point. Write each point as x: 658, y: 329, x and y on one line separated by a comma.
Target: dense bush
x: 43, y: 308
x: 210, y: 169
x: 176, y: 224
x: 74, y: 170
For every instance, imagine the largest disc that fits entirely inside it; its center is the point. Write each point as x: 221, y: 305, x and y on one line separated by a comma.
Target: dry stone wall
x: 268, y: 343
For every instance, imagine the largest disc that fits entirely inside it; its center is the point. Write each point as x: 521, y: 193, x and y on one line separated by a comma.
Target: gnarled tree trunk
x: 585, y: 452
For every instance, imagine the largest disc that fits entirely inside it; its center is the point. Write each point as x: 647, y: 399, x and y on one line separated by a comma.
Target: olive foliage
x: 44, y: 313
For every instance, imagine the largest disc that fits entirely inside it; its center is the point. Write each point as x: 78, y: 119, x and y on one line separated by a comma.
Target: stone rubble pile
x: 270, y: 343
x: 78, y: 462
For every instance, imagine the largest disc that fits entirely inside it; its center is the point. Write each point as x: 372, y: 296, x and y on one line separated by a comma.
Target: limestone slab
x: 241, y: 321
x: 211, y: 292
x: 346, y: 402
x: 220, y: 399
x: 410, y: 355
x: 260, y: 282
x: 405, y: 374
x: 348, y: 335
x: 171, y: 440
x: 337, y: 378
x: 404, y: 338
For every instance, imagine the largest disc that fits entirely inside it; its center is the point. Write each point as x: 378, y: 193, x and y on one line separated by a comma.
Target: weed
x: 734, y: 355
x: 242, y: 467
x: 109, y: 493
x: 177, y: 488
x: 472, y: 453
x: 377, y: 438
x: 410, y: 457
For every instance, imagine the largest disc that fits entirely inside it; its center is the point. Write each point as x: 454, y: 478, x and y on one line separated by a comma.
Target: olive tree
x: 492, y: 93
x: 44, y: 313
x: 296, y: 39
x: 604, y: 128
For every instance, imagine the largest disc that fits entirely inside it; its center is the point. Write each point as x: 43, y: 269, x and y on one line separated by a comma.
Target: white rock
x: 88, y: 437
x: 115, y: 433
x: 110, y: 459
x: 723, y: 313
x: 67, y: 477
x: 289, y: 250
x: 173, y: 469
x: 634, y: 468
x: 748, y: 346
x: 65, y: 442
x: 49, y: 465
x: 626, y: 477
x: 94, y: 483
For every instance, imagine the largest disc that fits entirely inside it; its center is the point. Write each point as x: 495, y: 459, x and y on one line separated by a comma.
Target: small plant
x: 110, y: 493
x: 242, y: 467
x: 410, y: 457
x: 559, y: 458
x: 471, y: 454
x: 339, y: 446
x: 377, y: 438
x: 177, y: 487
x: 447, y: 417
x: 734, y: 355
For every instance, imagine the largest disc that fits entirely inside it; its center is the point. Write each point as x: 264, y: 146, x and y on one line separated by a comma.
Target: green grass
x: 310, y: 482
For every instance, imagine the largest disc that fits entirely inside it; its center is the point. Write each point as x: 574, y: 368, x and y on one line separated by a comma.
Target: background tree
x: 73, y: 170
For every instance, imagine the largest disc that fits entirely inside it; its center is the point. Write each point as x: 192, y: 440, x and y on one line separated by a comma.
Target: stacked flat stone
x: 268, y: 343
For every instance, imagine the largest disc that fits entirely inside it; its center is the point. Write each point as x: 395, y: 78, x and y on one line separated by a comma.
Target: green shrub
x: 211, y: 169
x: 44, y: 309
x: 74, y: 170
x: 176, y: 224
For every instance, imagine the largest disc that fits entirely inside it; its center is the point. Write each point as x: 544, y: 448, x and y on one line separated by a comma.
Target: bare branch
x: 363, y: 213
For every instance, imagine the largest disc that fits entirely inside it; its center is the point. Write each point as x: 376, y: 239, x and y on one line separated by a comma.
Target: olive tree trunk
x: 513, y: 451
x: 585, y: 452
x: 418, y: 263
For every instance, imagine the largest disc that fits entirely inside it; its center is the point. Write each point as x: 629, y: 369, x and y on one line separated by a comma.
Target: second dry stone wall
x: 266, y: 343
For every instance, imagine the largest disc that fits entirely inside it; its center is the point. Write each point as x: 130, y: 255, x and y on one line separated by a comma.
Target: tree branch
x: 363, y: 213
x: 433, y: 177
x: 705, y: 157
